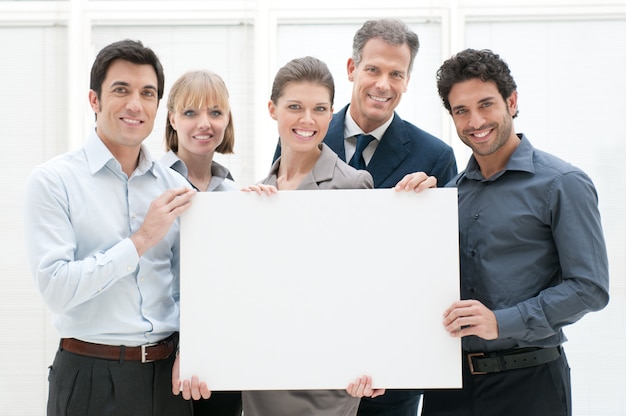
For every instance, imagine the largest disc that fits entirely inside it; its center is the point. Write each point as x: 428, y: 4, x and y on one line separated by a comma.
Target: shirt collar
x: 352, y: 129
x: 99, y: 156
x: 171, y: 160
x: 521, y: 160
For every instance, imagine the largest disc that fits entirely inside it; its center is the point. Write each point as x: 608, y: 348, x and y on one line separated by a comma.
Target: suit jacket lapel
x: 334, y: 138
x: 391, y: 151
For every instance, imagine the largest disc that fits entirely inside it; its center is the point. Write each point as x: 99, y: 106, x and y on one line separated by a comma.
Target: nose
x: 476, y: 120
x: 306, y: 117
x: 134, y: 103
x: 204, y: 120
x: 382, y: 83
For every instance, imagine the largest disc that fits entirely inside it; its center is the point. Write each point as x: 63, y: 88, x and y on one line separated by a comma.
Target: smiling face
x: 483, y: 119
x: 303, y: 112
x: 379, y: 80
x: 127, y: 106
x: 200, y: 130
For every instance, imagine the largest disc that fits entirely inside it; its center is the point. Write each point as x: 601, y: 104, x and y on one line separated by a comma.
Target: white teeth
x: 481, y: 135
x: 202, y: 137
x: 304, y: 133
x: 379, y: 99
x: 129, y: 121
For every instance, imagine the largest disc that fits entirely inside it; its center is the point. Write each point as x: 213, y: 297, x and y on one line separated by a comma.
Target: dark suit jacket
x: 403, y: 149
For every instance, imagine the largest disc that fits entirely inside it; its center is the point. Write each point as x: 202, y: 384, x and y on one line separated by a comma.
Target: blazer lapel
x: 334, y: 137
x: 391, y: 151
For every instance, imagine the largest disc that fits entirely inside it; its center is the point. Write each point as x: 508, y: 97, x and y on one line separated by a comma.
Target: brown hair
x: 307, y: 69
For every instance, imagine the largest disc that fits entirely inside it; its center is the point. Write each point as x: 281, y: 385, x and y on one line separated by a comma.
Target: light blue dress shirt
x: 80, y: 211
x: 532, y: 248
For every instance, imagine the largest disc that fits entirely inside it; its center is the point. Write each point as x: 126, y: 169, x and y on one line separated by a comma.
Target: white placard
x: 311, y: 289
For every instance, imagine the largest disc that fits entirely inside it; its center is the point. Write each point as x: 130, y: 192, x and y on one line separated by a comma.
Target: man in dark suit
x: 380, y: 67
x: 382, y: 60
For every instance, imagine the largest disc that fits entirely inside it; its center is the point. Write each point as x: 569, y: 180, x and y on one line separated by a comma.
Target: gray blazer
x: 329, y: 172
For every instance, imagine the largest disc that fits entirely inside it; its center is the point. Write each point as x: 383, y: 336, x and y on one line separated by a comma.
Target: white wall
x: 568, y: 59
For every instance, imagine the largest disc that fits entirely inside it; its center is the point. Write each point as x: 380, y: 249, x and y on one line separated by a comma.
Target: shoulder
x: 66, y: 165
x: 346, y: 177
x: 170, y: 177
x: 419, y: 137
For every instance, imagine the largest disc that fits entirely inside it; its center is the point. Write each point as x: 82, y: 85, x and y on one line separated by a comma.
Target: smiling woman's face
x: 303, y: 113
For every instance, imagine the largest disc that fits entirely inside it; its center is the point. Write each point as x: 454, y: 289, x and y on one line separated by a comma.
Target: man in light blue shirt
x: 102, y: 241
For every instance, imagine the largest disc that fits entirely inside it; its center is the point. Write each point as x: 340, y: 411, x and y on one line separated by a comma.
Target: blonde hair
x: 198, y: 89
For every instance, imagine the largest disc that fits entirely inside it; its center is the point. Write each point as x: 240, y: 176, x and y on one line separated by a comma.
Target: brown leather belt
x: 145, y: 353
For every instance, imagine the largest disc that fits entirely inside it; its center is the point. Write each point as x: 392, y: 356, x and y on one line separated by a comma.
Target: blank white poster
x: 311, y: 289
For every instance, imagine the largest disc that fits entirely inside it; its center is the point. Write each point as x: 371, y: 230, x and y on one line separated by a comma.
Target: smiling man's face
x: 379, y: 80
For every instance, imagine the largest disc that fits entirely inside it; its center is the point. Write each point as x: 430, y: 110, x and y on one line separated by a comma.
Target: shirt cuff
x: 123, y: 257
x: 510, y: 323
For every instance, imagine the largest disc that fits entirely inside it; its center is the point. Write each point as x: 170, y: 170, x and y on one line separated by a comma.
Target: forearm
x: 65, y: 283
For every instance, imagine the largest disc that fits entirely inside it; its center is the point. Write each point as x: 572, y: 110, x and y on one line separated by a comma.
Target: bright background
x: 568, y: 58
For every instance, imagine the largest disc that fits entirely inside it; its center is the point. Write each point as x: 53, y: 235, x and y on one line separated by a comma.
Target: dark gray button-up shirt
x: 532, y: 248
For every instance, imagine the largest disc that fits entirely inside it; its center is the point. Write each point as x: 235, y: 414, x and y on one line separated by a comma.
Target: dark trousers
x: 392, y: 403
x: 84, y: 386
x: 543, y: 390
x: 221, y: 403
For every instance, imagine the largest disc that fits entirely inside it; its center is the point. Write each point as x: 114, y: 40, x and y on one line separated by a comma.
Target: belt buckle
x: 471, y: 363
x: 144, y: 353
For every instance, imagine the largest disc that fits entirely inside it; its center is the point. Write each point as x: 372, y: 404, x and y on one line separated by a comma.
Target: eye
x: 460, y: 111
x: 399, y: 75
x: 293, y: 106
x: 120, y: 90
x: 321, y: 109
x: 216, y: 113
x: 371, y: 69
x: 149, y: 93
x: 486, y: 104
x: 189, y: 113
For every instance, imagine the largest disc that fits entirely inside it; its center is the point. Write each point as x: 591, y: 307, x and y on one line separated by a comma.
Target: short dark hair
x: 392, y: 31
x: 469, y: 64
x: 127, y: 50
x: 303, y: 69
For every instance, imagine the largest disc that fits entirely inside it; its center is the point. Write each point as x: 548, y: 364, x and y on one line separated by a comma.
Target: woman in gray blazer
x: 302, y: 105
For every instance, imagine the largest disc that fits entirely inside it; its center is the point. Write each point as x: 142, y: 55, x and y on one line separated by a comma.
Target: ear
x: 93, y: 101
x: 351, y: 67
x: 170, y: 117
x: 406, y: 84
x: 272, y: 109
x: 511, y: 103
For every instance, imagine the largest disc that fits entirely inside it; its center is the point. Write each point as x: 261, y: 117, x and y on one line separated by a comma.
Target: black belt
x: 495, y: 362
x: 145, y: 353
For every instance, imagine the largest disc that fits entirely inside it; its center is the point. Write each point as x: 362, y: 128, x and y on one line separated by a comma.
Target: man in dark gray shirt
x: 533, y: 256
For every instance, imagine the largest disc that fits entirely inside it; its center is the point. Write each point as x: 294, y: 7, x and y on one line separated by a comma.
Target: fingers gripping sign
x: 416, y: 182
x: 470, y: 317
x: 160, y: 217
x: 362, y: 387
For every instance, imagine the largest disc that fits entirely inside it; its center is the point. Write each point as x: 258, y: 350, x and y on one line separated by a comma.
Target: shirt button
x: 129, y: 268
x: 476, y: 216
x: 473, y: 253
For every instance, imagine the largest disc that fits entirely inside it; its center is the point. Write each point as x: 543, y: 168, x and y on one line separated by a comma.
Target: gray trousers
x: 84, y: 386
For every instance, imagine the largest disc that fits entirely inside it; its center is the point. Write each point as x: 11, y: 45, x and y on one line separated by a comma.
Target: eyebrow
x: 126, y: 84
x: 479, y: 102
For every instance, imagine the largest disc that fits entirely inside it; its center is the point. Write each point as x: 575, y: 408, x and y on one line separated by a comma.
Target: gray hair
x: 393, y: 31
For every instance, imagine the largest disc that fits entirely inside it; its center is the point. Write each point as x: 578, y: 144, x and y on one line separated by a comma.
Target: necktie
x: 357, y: 160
